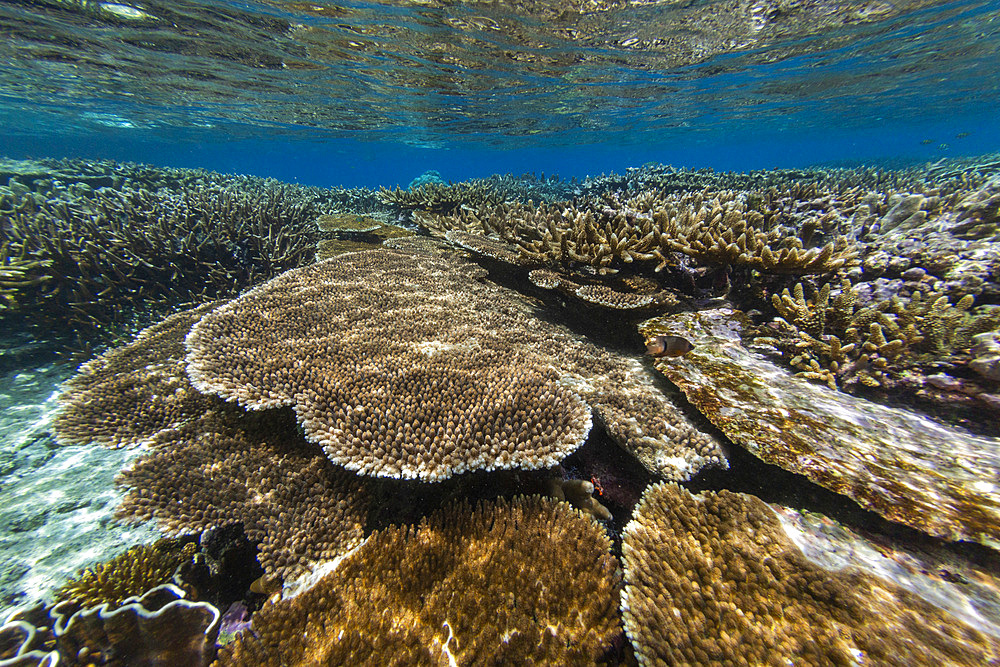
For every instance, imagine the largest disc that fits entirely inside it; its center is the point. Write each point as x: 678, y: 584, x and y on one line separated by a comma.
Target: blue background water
x: 918, y: 85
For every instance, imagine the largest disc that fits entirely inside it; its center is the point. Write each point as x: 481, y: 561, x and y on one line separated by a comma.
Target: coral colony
x: 415, y: 425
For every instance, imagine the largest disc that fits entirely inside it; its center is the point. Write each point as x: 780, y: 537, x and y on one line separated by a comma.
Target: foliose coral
x: 469, y: 585
x: 159, y: 627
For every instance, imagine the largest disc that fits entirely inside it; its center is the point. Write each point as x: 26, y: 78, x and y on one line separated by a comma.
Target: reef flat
x: 661, y: 416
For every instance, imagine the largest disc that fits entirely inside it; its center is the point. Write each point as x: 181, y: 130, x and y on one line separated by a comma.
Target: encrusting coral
x: 468, y: 586
x: 714, y: 579
x: 422, y: 371
x: 128, y: 574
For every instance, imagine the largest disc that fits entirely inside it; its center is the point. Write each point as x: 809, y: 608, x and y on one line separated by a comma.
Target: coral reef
x: 422, y: 371
x: 409, y: 387
x: 713, y: 578
x: 159, y: 627
x: 483, y: 585
x: 908, y: 468
x: 226, y: 467
x: 130, y: 392
x: 836, y: 337
x: 127, y: 575
x: 95, y: 260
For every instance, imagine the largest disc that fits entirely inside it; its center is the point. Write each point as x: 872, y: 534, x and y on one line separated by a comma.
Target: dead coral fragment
x: 714, y: 579
x: 127, y: 575
x: 485, y: 585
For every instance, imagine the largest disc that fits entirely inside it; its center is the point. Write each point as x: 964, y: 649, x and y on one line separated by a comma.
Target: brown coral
x: 128, y: 574
x: 467, y: 586
x: 133, y: 391
x: 421, y: 370
x: 226, y: 467
x: 713, y: 578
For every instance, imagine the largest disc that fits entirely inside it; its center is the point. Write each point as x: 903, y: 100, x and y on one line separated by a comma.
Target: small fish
x: 961, y: 135
x: 926, y: 142
x: 668, y: 346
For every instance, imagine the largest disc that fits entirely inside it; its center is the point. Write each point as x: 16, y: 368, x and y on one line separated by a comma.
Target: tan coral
x: 226, y: 467
x: 484, y: 585
x: 714, y: 579
x: 423, y: 371
x: 129, y: 574
x: 131, y: 392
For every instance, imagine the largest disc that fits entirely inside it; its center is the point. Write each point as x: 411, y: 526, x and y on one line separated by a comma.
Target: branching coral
x: 127, y: 575
x: 484, y: 585
x: 96, y: 260
x: 714, y: 579
x: 837, y: 339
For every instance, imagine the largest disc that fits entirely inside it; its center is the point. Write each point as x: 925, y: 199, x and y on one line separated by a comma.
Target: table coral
x: 227, y: 467
x: 483, y: 585
x: 939, y: 479
x: 714, y: 579
x: 421, y: 370
x: 132, y: 391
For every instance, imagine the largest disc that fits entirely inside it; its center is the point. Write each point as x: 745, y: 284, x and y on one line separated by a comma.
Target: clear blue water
x: 363, y: 93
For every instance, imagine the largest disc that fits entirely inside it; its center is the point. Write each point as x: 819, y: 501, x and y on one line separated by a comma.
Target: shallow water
x: 216, y: 151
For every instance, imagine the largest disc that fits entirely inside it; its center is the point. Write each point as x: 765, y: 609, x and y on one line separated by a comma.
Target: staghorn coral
x: 127, y: 575
x: 131, y: 392
x: 483, y: 585
x: 839, y: 339
x: 714, y: 579
x: 421, y: 370
x: 95, y: 260
x: 226, y: 467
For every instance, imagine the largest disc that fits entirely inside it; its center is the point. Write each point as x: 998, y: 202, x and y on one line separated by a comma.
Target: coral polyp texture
x: 468, y: 586
x: 208, y: 464
x: 713, y: 579
x: 132, y: 391
x: 128, y: 574
x: 227, y: 467
x: 402, y: 363
x: 936, y: 478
